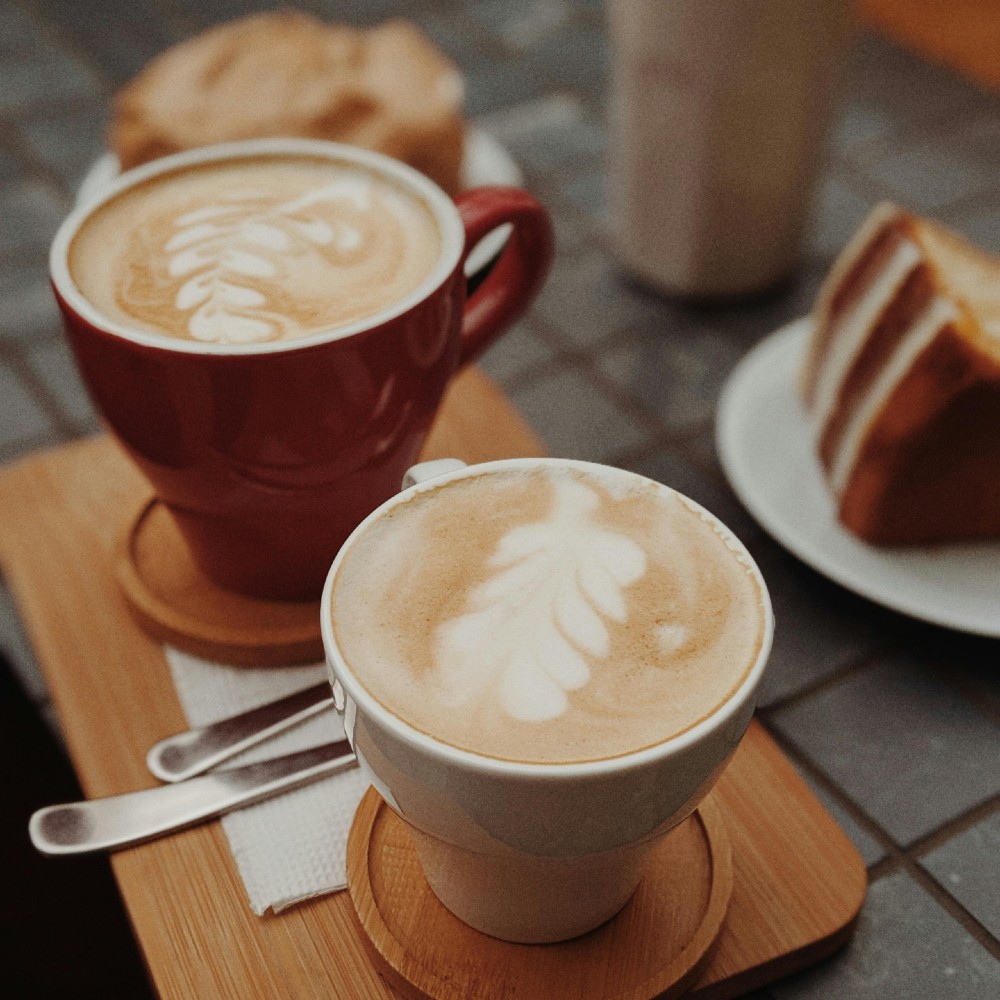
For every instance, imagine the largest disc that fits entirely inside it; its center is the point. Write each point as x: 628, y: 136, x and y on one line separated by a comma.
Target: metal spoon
x: 183, y: 755
x: 122, y: 820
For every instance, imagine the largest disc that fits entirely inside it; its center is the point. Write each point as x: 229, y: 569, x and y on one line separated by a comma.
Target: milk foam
x: 535, y: 625
x: 548, y: 615
x: 254, y: 251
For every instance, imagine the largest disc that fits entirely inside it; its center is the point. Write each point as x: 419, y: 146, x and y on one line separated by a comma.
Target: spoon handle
x: 183, y: 755
x: 123, y: 820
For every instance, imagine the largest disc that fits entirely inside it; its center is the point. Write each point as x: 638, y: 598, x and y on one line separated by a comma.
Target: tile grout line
x: 63, y: 43
x: 584, y: 361
x: 31, y: 167
x: 14, y: 357
x: 902, y: 858
x: 930, y: 842
x: 816, y: 773
x: 910, y: 866
x: 852, y: 667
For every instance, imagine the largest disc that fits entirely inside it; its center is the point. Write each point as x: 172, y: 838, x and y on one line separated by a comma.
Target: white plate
x: 768, y: 457
x: 485, y: 161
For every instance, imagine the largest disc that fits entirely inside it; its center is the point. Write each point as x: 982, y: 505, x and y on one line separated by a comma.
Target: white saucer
x: 485, y: 161
x: 768, y: 457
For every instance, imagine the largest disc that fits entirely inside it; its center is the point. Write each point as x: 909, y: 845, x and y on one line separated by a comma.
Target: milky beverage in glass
x: 719, y: 114
x: 255, y: 250
x: 269, y: 328
x: 546, y: 664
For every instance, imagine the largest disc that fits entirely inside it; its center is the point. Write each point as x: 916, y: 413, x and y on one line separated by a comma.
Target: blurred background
x: 894, y: 724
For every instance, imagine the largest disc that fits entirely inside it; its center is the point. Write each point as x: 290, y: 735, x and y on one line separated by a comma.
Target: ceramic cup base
x: 176, y: 603
x: 653, y: 947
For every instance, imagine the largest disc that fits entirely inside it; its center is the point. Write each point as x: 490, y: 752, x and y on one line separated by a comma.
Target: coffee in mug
x: 548, y: 614
x: 255, y: 250
x: 543, y: 666
x: 268, y: 327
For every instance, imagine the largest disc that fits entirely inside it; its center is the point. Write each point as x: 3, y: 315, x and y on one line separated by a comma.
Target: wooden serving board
x: 798, y: 881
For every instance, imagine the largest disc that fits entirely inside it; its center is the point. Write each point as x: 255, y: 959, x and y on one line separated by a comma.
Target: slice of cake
x: 902, y: 383
x: 285, y: 73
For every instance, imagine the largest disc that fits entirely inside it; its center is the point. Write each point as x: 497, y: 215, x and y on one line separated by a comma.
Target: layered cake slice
x: 902, y: 383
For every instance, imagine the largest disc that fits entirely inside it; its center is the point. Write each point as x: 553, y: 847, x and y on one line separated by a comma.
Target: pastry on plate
x: 902, y: 383
x: 286, y: 73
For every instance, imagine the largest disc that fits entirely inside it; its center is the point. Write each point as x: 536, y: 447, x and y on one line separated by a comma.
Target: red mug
x: 269, y: 454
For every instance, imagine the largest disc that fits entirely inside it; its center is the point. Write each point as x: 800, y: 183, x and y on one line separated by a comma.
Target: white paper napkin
x: 294, y: 846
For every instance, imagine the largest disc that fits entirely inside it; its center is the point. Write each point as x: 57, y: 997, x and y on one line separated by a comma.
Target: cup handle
x: 423, y: 471
x: 518, y: 274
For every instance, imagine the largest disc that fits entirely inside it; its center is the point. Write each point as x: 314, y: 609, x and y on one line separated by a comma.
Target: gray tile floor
x: 895, y: 724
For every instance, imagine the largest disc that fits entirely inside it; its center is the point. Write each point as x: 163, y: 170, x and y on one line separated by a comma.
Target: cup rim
x: 437, y: 201
x: 339, y: 670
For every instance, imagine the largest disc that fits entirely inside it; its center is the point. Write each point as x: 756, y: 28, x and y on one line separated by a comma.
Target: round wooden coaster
x: 175, y: 602
x: 654, y: 947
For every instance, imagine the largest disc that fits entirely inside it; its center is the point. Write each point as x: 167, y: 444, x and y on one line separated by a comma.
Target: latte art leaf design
x: 533, y: 628
x: 228, y: 254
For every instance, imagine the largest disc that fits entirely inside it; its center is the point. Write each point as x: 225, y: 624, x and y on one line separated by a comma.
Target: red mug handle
x: 518, y: 274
